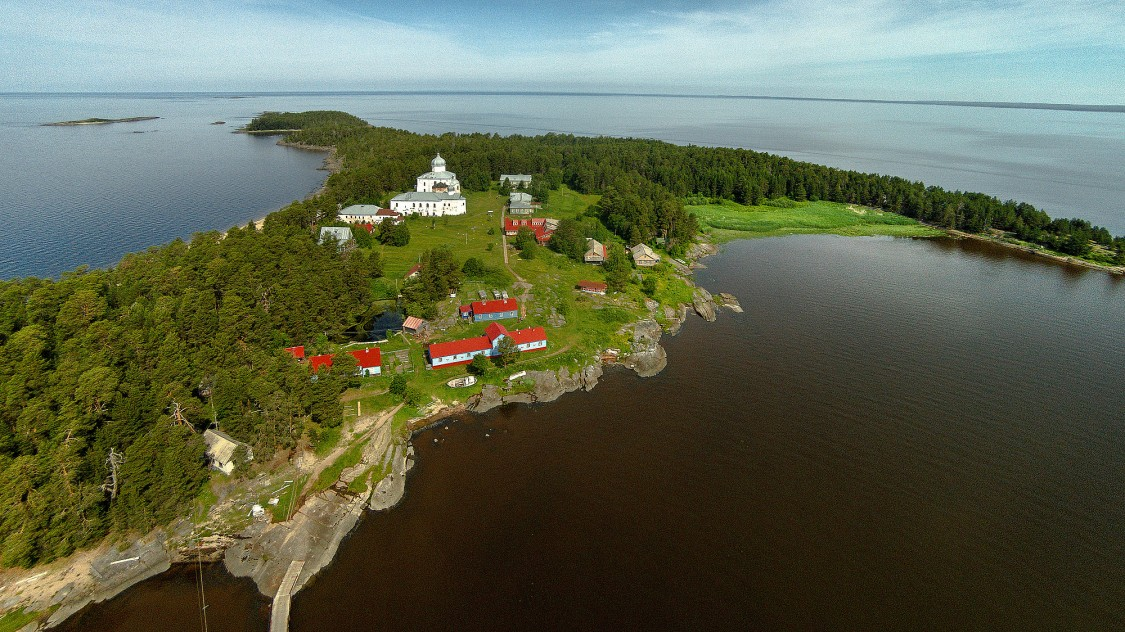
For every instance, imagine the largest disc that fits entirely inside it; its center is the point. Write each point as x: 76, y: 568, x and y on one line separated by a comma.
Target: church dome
x: 437, y: 164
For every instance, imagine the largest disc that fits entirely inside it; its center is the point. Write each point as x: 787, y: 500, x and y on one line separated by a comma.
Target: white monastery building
x: 438, y: 192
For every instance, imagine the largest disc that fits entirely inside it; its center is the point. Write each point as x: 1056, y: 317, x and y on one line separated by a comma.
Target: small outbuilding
x: 595, y: 252
x: 644, y: 256
x: 222, y: 449
x: 416, y: 326
x: 368, y: 361
x: 342, y: 235
x: 592, y: 287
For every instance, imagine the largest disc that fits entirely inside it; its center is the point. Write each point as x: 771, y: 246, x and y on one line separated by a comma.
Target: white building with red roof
x: 456, y: 352
x: 368, y: 361
x: 491, y: 310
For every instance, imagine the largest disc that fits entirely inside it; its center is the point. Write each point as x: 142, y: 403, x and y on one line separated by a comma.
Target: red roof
x: 592, y: 286
x: 413, y: 270
x: 386, y: 212
x: 296, y: 352
x: 318, y: 361
x: 524, y: 336
x: 494, y: 331
x: 542, y: 235
x: 514, y: 224
x: 495, y: 306
x: 368, y: 358
x: 468, y: 345
x: 412, y: 322
x: 367, y: 227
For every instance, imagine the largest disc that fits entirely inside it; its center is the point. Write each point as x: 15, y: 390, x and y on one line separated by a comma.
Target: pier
x: 279, y: 618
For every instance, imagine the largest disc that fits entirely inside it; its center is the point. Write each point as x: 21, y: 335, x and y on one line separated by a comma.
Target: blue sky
x: 1070, y: 51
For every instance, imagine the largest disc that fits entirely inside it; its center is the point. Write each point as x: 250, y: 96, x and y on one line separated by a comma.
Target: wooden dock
x: 279, y: 618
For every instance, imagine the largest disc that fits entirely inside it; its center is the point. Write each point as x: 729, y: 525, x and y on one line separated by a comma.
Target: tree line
x: 646, y: 181
x: 136, y: 361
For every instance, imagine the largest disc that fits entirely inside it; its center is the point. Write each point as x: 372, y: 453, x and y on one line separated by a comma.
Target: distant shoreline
x: 101, y: 121
x: 1018, y: 105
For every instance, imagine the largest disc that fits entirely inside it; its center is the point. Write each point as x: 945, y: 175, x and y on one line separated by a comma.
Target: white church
x: 438, y: 192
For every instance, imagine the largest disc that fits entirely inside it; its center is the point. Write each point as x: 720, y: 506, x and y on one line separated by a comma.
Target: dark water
x: 897, y: 434
x: 171, y: 601
x: 75, y: 195
x: 89, y: 194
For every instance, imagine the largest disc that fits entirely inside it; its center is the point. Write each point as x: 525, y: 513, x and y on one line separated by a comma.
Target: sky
x: 1056, y: 51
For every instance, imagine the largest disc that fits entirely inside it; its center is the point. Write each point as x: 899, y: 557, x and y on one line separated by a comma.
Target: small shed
x: 221, y: 450
x: 416, y: 326
x: 413, y: 271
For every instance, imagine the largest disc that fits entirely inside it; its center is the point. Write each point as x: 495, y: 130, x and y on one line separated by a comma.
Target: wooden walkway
x: 279, y: 618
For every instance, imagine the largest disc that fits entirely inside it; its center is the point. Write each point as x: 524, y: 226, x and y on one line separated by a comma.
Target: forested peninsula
x: 109, y: 378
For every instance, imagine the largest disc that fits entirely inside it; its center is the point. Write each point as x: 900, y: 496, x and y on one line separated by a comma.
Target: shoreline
x: 1031, y: 250
x: 264, y: 550
x: 332, y: 164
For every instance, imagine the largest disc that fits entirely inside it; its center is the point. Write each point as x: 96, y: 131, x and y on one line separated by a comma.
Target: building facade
x: 436, y: 193
x: 457, y: 352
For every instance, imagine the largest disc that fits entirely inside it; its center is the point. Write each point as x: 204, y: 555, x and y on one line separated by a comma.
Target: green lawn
x: 591, y: 323
x: 17, y: 619
x: 728, y: 221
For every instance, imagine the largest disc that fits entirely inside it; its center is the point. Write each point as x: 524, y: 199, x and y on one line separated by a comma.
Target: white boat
x: 461, y: 382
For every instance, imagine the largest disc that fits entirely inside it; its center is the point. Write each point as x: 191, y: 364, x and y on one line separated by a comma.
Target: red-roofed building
x: 298, y: 353
x: 413, y: 271
x: 592, y: 287
x: 541, y: 226
x: 320, y: 361
x: 368, y: 361
x: 513, y: 225
x: 494, y: 310
x: 443, y: 354
x: 386, y: 213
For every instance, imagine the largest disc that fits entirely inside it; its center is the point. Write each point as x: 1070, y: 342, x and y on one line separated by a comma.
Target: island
x: 101, y: 121
x: 245, y: 396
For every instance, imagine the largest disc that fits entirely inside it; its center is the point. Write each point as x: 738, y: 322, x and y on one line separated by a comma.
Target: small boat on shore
x: 461, y: 382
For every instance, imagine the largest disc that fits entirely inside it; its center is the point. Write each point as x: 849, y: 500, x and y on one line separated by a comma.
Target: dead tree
x: 178, y: 416
x: 113, y: 464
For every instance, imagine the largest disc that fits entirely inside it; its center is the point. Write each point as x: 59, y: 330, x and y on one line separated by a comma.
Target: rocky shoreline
x: 264, y: 550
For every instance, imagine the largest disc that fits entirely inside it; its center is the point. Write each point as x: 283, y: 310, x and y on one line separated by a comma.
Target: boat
x: 461, y: 382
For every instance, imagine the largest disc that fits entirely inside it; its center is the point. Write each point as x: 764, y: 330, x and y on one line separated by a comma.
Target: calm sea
x: 87, y: 195
x: 896, y: 434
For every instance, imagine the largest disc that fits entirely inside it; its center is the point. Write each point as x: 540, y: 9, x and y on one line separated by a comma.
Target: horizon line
x: 1018, y: 105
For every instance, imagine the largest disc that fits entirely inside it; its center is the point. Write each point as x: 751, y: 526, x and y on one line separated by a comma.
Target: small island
x: 101, y: 121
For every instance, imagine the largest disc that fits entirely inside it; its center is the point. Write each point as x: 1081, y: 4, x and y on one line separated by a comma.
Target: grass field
x: 728, y: 221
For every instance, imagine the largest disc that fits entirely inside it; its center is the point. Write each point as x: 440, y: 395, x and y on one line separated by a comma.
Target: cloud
x: 807, y: 47
x: 101, y: 45
x: 744, y: 41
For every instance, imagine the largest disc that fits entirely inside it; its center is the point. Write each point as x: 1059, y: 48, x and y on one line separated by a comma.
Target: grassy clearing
x: 729, y: 220
x: 287, y: 499
x: 331, y: 474
x: 17, y: 619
